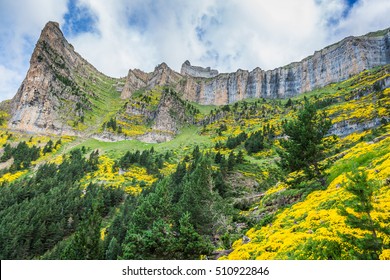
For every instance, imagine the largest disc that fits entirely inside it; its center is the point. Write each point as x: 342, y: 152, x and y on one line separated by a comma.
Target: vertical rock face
x: 169, y: 114
x: 334, y: 63
x: 49, y: 93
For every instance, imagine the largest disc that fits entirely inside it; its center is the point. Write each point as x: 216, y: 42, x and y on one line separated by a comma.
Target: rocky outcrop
x: 170, y: 114
x: 137, y: 79
x: 347, y: 127
x: 163, y: 119
x: 196, y: 71
x: 49, y: 96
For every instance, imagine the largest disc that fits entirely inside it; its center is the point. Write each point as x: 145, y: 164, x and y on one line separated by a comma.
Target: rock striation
x: 334, y: 63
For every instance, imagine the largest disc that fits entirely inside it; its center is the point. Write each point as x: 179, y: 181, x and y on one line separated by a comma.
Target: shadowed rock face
x: 137, y: 79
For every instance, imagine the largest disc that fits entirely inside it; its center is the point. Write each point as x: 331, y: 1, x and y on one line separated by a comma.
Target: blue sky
x: 116, y: 36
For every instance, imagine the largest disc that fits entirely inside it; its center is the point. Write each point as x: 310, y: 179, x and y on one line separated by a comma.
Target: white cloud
x: 8, y: 80
x: 366, y: 16
x: 234, y: 34
x: 225, y: 35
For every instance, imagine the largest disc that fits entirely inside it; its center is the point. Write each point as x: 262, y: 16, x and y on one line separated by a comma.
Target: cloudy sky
x: 224, y: 34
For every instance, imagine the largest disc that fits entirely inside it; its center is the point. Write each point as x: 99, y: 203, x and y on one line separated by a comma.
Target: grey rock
x: 196, y: 71
x: 334, y: 63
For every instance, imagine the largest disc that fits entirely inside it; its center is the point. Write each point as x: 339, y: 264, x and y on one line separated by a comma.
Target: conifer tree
x: 218, y: 157
x: 240, y: 157
x: 362, y: 190
x: 113, y: 249
x: 231, y: 161
x: 190, y: 244
x: 304, y: 147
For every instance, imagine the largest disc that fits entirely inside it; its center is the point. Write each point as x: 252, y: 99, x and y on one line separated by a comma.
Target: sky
x: 227, y: 35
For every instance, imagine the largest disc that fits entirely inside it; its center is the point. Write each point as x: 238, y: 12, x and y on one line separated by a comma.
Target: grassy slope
x: 104, y: 98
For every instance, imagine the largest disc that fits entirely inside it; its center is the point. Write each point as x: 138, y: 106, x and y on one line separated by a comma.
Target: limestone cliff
x: 50, y: 97
x: 61, y: 89
x: 334, y: 63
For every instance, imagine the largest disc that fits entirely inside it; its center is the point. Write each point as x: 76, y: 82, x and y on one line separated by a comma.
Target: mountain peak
x: 51, y: 32
x: 52, y: 24
x: 162, y: 66
x: 54, y: 65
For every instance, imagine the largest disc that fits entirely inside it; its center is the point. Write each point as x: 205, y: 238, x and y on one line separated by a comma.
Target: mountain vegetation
x: 266, y: 179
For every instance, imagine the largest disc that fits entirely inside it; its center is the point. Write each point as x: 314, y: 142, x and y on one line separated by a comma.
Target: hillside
x: 254, y: 207
x: 93, y: 167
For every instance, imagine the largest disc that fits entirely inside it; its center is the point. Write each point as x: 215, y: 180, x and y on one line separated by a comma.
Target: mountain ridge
x: 65, y: 94
x: 334, y: 63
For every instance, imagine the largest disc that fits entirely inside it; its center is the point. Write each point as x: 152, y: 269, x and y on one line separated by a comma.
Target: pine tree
x: 113, y: 249
x: 196, y: 153
x: 240, y: 157
x: 304, y: 147
x: 197, y: 196
x: 190, y: 244
x: 87, y: 242
x: 231, y: 161
x: 289, y: 103
x: 218, y: 158
x: 362, y: 190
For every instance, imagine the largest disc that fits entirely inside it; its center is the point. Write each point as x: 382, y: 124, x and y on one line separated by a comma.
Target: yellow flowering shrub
x: 38, y: 141
x: 385, y: 255
x: 10, y: 177
x: 3, y: 139
x: 4, y: 116
x: 129, y: 180
x: 316, y: 220
x: 277, y: 188
x: 133, y: 128
x: 103, y: 233
x: 105, y: 173
x: 57, y: 160
x: 168, y: 168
